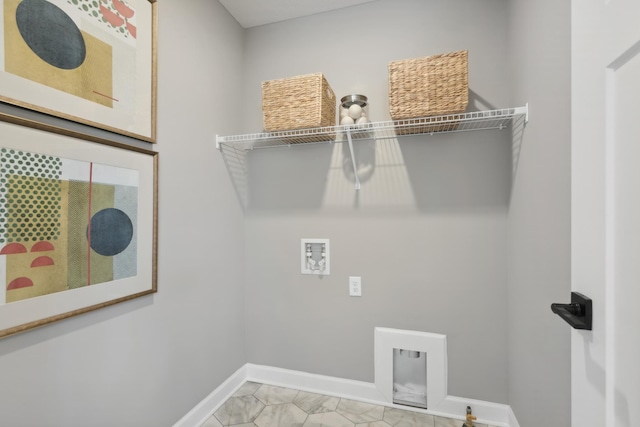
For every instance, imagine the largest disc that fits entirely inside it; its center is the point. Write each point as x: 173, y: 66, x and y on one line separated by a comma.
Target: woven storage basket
x: 429, y: 86
x: 299, y: 102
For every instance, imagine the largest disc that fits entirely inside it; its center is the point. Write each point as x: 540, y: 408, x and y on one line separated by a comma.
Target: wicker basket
x: 430, y: 86
x: 298, y: 103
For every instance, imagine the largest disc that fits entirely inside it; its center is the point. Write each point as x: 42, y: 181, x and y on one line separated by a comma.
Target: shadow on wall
x: 517, y: 136
x: 288, y: 178
x: 236, y: 162
x: 365, y: 161
x: 53, y: 331
x: 439, y: 173
x: 453, y: 172
x: 478, y: 103
x: 459, y: 171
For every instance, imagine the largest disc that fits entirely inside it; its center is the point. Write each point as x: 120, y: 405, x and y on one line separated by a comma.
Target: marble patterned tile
x: 273, y: 395
x: 211, y: 422
x: 360, y: 412
x: 287, y: 414
x: 328, y: 419
x: 448, y: 422
x: 238, y: 410
x: 261, y: 405
x: 313, y: 403
x: 401, y: 418
x: 247, y: 389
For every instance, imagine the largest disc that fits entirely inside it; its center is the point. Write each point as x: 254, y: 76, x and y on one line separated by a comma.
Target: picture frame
x: 78, y: 225
x: 89, y: 62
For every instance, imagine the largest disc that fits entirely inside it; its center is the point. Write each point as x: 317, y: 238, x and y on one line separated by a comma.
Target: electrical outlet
x: 355, y: 286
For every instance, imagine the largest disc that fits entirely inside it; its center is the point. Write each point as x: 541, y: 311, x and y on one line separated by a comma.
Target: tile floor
x: 264, y: 405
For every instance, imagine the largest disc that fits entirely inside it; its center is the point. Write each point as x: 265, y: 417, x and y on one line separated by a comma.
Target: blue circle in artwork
x: 111, y: 231
x: 51, y: 34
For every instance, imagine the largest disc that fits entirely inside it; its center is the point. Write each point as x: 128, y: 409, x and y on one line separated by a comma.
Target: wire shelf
x: 463, y: 122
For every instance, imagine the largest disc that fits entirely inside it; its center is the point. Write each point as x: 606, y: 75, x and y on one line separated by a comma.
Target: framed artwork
x: 78, y: 226
x: 88, y: 61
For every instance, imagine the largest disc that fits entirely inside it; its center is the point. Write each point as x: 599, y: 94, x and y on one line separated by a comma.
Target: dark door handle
x: 578, y: 313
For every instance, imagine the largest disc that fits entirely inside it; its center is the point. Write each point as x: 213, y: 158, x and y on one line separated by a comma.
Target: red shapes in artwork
x: 20, y: 282
x: 123, y: 9
x: 120, y: 17
x: 13, y: 248
x: 42, y: 261
x: 42, y: 247
x: 132, y: 29
x: 111, y: 17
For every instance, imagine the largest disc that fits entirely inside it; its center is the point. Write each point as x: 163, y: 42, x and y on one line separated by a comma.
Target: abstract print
x: 64, y: 224
x: 84, y: 48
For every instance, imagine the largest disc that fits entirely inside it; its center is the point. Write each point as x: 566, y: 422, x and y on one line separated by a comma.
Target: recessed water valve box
x: 315, y: 256
x: 410, y: 377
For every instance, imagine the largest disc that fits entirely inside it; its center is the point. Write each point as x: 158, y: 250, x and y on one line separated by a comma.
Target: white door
x: 606, y: 210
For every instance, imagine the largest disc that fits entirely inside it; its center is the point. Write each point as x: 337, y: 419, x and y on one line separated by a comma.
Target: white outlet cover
x: 355, y: 286
x: 316, y: 243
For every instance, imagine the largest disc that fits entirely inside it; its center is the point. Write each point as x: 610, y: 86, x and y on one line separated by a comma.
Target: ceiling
x: 251, y: 13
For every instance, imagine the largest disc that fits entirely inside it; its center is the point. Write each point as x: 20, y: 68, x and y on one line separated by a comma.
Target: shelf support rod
x: 353, y: 158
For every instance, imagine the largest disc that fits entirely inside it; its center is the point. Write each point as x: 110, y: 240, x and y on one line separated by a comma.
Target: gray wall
x: 441, y: 240
x: 147, y: 362
x: 539, y: 214
x: 428, y: 231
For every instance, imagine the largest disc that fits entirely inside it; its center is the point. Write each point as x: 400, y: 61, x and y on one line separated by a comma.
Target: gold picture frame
x: 78, y: 225
x: 92, y: 62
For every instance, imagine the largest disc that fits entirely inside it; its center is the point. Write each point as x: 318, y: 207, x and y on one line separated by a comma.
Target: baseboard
x: 493, y: 414
x: 203, y: 410
x: 513, y: 422
x: 314, y: 383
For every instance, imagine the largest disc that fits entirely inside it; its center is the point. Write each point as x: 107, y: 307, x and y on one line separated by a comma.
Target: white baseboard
x: 493, y: 414
x: 203, y: 410
x: 314, y: 383
x: 513, y: 422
